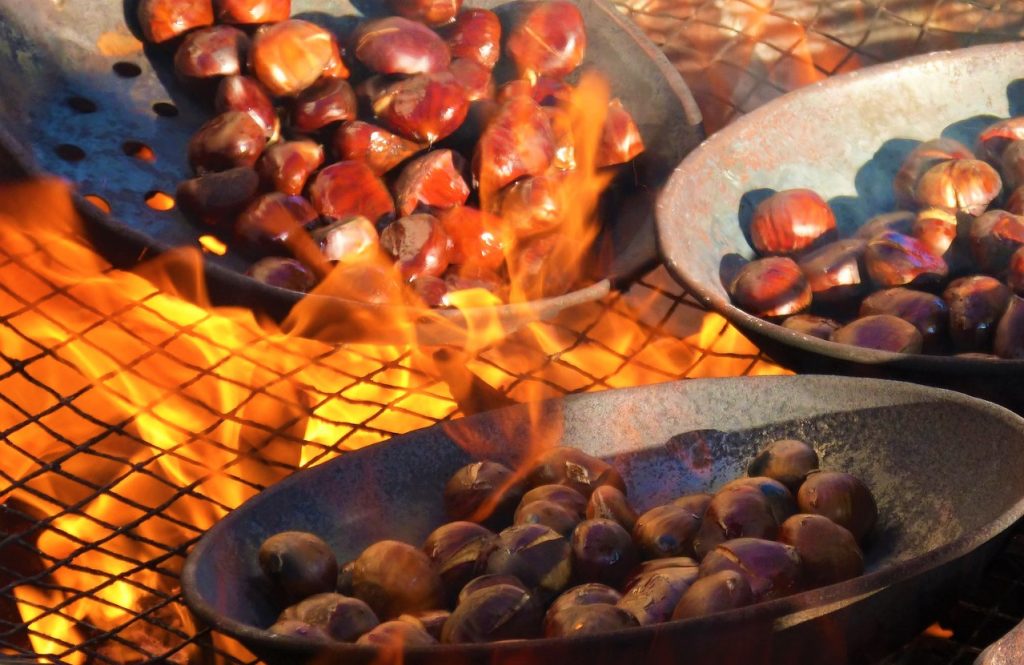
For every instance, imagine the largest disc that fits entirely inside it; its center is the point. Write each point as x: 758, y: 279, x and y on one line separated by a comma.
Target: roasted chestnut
x: 841, y: 497
x: 395, y: 578
x: 959, y: 185
x: 882, y: 332
x: 215, y: 198
x: 290, y: 56
x: 786, y: 460
x: 741, y: 511
x: 241, y: 93
x: 997, y: 137
x: 697, y: 503
x: 893, y: 259
x: 475, y: 34
x: 771, y: 287
x: 296, y: 628
x: 283, y: 273
x: 327, y: 101
x: 459, y: 551
x: 652, y: 596
x: 475, y: 237
x: 995, y: 236
x: 549, y: 39
x: 344, y: 619
x: 652, y: 565
x: 286, y: 166
x: 483, y: 492
x: 350, y: 189
x: 1015, y: 274
x: 431, y: 12
x: 379, y: 148
x: 534, y: 205
x: 424, y: 107
x: 485, y: 581
x: 926, y: 311
x: 920, y: 159
x: 298, y: 564
x: 575, y: 468
x: 474, y: 78
x: 431, y: 621
x: 834, y: 271
x: 396, y: 45
x: 535, y: 554
x: 433, y: 181
x: 609, y: 502
x: 230, y: 140
x: 780, y: 500
x: 976, y: 304
x: 563, y: 495
x: 351, y: 239
x: 936, y: 229
x: 666, y: 531
x: 602, y: 551
x: 162, y: 20
x: 419, y: 245
x: 828, y: 552
x: 821, y: 327
x: 721, y: 591
x: 620, y: 137
x: 550, y: 514
x: 772, y: 569
x: 250, y: 12
x: 900, y: 221
x: 219, y: 50
x: 1009, y: 341
x: 501, y: 612
x: 397, y: 634
x: 789, y: 221
x: 588, y: 620
x: 517, y: 142
x: 1015, y: 202
x: 275, y: 222
x: 585, y: 594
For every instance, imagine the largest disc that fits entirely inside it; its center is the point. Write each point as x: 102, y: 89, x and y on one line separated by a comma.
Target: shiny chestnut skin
x: 549, y: 39
x: 274, y: 222
x: 241, y: 93
x: 483, y: 492
x: 781, y: 503
x: 740, y: 511
x: 900, y: 221
x: 397, y: 634
x: 666, y: 531
x: 501, y: 612
x: 590, y: 593
x: 219, y: 50
x: 786, y: 460
x: 959, y: 185
x: 348, y: 189
x: 395, y: 578
x: 327, y: 101
x: 563, y: 495
x: 620, y: 138
x: 227, y: 141
x: 651, y: 565
x: 976, y: 303
x: 772, y: 569
x: 575, y: 468
x: 162, y: 20
x: 919, y: 160
x: 771, y: 287
x: 883, y: 332
x: 609, y: 502
x: 696, y: 503
x: 344, y: 619
x: 926, y: 311
x: 418, y: 244
x: 352, y: 239
x: 828, y: 552
x: 534, y: 205
x: 550, y: 514
x: 475, y: 79
x: 431, y: 12
x: 722, y: 591
x: 821, y: 327
x: 653, y: 596
x: 380, y: 149
x: 994, y: 237
x: 517, y: 142
x: 298, y: 564
x: 215, y: 198
x: 938, y: 231
x: 432, y: 180
x: 834, y: 271
x: 602, y: 551
x: 894, y: 259
x: 396, y: 45
x: 487, y: 581
x: 841, y: 497
x: 459, y: 551
x: 286, y: 166
x: 588, y: 620
x: 283, y: 273
x: 424, y: 107
x: 1009, y: 340
x: 250, y: 12
x: 475, y: 34
x: 535, y: 554
x: 475, y: 237
x: 290, y: 56
x: 296, y: 628
x: 1015, y: 273
x: 995, y: 138
x: 790, y: 221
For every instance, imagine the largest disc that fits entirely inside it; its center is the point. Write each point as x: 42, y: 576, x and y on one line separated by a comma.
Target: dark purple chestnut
x: 485, y: 581
x: 786, y: 460
x: 395, y: 578
x: 585, y: 594
x: 397, y: 634
x: 433, y: 181
x: 296, y: 628
x: 396, y: 45
x: 959, y: 185
x: 997, y: 137
x: 771, y: 568
x: 459, y: 551
x: 740, y: 511
x: 588, y: 620
x: 517, y: 142
x: 790, y: 221
x: 550, y: 514
x: 475, y: 34
x: 652, y: 565
x: 327, y: 101
x: 834, y: 271
x: 431, y: 621
x: 828, y: 552
x: 696, y: 503
x: 926, y: 311
x: 1009, y: 341
x: 652, y: 596
x: 163, y: 20
x: 344, y: 619
x: 241, y: 93
x: 920, y: 159
x: 821, y: 327
x: 719, y: 592
x: 1015, y: 274
x: 841, y: 497
x: 283, y: 273
x: 286, y: 166
x: 563, y: 495
x: 431, y: 12
x: 602, y: 551
x: 976, y: 304
x: 352, y: 239
x: 549, y: 39
x: 418, y: 244
x: 535, y: 554
x: 666, y: 531
x: 290, y: 56
x: 298, y: 564
x: 901, y: 221
x: 771, y: 287
x: 216, y: 198
x: 227, y: 141
x: 219, y: 50
x: 620, y: 138
x: 424, y: 107
x: 893, y: 259
x: 483, y: 492
x: 610, y: 502
x: 275, y: 222
x: 350, y: 189
x: 780, y: 500
x: 379, y: 148
x: 995, y: 236
x: 574, y: 468
x: 501, y: 612
x: 882, y: 332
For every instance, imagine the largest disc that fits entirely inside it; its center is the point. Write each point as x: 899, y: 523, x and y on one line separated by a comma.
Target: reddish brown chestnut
x: 995, y: 138
x: 352, y: 239
x: 926, y: 311
x: 901, y: 221
x: 602, y: 551
x: 936, y: 229
x: 920, y: 159
x: 343, y: 619
x: 771, y: 287
x: 787, y: 461
x: 725, y: 590
x: 552, y: 515
x: 394, y: 578
x: 219, y: 50
x: 396, y: 45
x: 563, y: 495
x: 229, y: 140
x: 249, y: 12
x: 533, y: 205
x: 791, y: 220
x: 500, y: 612
x: 474, y: 78
x: 162, y: 20
x: 652, y: 596
x: 475, y: 34
x: 241, y: 93
x: 327, y: 101
x: 841, y: 497
x: 290, y: 56
x: 419, y: 245
x: 425, y: 107
x: 379, y: 148
x: 994, y: 237
x: 893, y: 259
x: 535, y: 554
x: 274, y: 222
x: 459, y: 551
x: 808, y: 324
x: 565, y: 140
x: 620, y: 138
x: 666, y: 531
x: 349, y: 189
x: 976, y: 304
x: 285, y: 166
x: 431, y: 12
x: 432, y: 181
x: 484, y: 492
x: 735, y: 513
x: 828, y: 552
x: 517, y: 142
x: 771, y: 568
x: 217, y: 197
x: 1015, y: 202
x: 611, y: 503
x: 959, y: 185
x: 549, y: 39
x: 883, y: 332
x: 1015, y: 274
x: 475, y: 237
x: 834, y: 271
x: 1009, y: 341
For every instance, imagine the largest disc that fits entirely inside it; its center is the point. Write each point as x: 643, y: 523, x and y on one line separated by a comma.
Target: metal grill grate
x: 101, y: 503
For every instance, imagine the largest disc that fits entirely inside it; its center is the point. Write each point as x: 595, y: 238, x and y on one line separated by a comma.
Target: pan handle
x: 1007, y: 650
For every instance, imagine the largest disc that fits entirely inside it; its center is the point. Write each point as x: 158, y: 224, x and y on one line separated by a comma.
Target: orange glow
x: 160, y: 201
x: 936, y: 630
x: 213, y: 245
x: 98, y: 201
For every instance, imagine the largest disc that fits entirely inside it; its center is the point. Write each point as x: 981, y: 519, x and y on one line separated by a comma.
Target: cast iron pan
x: 57, y: 54
x: 947, y: 470
x: 844, y: 138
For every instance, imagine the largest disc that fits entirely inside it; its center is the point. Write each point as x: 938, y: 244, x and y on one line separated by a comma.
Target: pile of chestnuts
x: 943, y: 275
x: 558, y: 551
x: 405, y: 156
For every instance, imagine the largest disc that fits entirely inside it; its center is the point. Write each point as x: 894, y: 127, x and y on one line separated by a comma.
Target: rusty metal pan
x: 81, y: 80
x: 947, y: 470
x: 844, y: 138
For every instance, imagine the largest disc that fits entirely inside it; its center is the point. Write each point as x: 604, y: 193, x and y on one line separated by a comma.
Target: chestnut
x: 419, y: 245
x: 995, y: 138
x: 474, y: 78
x: 424, y: 107
x: 1015, y: 202
x: 286, y: 166
x: 1015, y: 274
x: 574, y: 468
x: 290, y: 56
x: 609, y: 502
x: 565, y: 138
x: 429, y: 291
x: 459, y: 551
x: 534, y: 205
x: 501, y: 612
x: 349, y: 239
x: 486, y: 581
x: 535, y: 554
x: 666, y: 531
x: 790, y: 221
x: 379, y: 148
x: 217, y: 197
x: 1009, y: 340
x: 475, y: 237
x: 893, y: 259
x: 1012, y: 165
x: 274, y: 222
x: 162, y: 20
x: 994, y: 237
x: 550, y: 514
x: 719, y: 592
x: 786, y: 460
x: 926, y: 311
x: 296, y: 628
x: 563, y: 495
x: 841, y: 497
x: 773, y: 569
x: 828, y: 552
x: 431, y: 12
x: 936, y: 229
x: 431, y: 621
x: 298, y: 564
x: 620, y: 137
x: 483, y: 492
x: 651, y: 565
x: 696, y: 503
x: 653, y: 596
x: 882, y: 332
x: 740, y: 511
x: 344, y: 619
x: 282, y: 273
x: 588, y: 620
x: 549, y: 39
x: 976, y: 304
x: 397, y: 634
x: 327, y: 101
x: 517, y: 142
x: 393, y: 578
x: 834, y: 271
x: 919, y: 160
x: 344, y: 584
x: 771, y: 287
x: 432, y: 180
x: 475, y: 34
x: 590, y: 593
x: 219, y: 50
x: 781, y: 503
x: 349, y: 189
x: 241, y: 93
x: 959, y: 185
x: 251, y: 12
x: 396, y: 45
x: 901, y: 221
x: 602, y: 551
x: 821, y: 327
x: 227, y: 141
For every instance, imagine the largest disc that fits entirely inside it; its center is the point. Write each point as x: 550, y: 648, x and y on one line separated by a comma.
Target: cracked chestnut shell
x: 722, y: 591
x: 995, y: 138
x: 771, y: 287
x: 299, y: 564
x: 834, y: 271
x: 926, y: 311
x: 433, y: 181
x: 395, y: 578
x: 275, y: 221
x: 841, y: 497
x: 476, y: 237
x: 286, y: 166
x: 548, y: 39
x: 218, y: 50
x: 484, y: 492
x: 790, y: 221
x: 786, y: 460
x: 919, y: 160
x: 536, y: 555
x: 518, y: 141
x: 162, y: 20
x: 936, y: 229
x: 575, y: 468
x: 344, y: 619
x: 602, y: 551
x: 882, y: 332
x: 475, y: 34
x: 534, y: 205
x: 893, y: 259
x: 994, y: 237
x: 431, y: 12
x: 1009, y: 341
x: 418, y: 244
x: 611, y: 503
x: 828, y: 552
x: 351, y: 189
x: 227, y: 141
x: 563, y: 495
x: 459, y: 551
x: 486, y: 581
x: 396, y: 45
x: 959, y: 185
x: 976, y: 303
x: 290, y: 56
x: 736, y: 512
x: 821, y: 327
x: 772, y: 568
x: 652, y: 596
x: 380, y: 149
x: 501, y: 612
